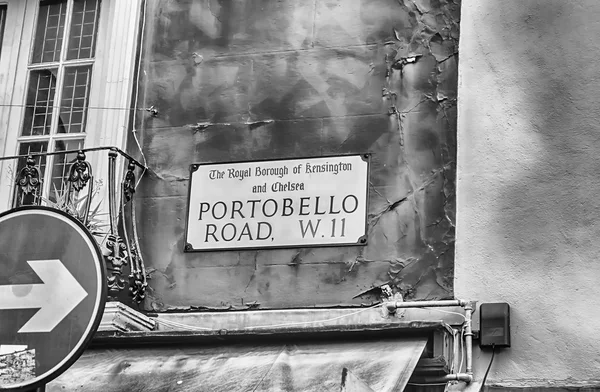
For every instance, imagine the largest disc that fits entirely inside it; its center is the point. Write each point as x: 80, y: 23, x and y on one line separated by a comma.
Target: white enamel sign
x: 278, y: 203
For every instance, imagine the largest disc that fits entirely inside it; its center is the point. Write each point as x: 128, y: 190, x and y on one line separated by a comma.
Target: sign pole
x: 41, y: 388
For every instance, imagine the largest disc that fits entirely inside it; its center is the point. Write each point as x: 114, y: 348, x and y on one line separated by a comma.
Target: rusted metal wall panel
x: 252, y: 80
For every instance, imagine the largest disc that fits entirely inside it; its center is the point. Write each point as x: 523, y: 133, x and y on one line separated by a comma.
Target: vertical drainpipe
x: 469, y: 308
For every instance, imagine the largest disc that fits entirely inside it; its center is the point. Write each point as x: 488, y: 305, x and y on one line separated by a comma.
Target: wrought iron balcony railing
x: 116, y: 230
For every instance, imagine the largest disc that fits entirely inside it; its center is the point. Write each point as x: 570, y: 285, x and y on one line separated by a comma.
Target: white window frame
x: 112, y: 85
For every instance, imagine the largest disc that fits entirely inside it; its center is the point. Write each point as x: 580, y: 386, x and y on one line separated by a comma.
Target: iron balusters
x: 121, y: 241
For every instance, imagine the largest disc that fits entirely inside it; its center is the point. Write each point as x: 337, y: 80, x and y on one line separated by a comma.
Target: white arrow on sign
x: 56, y: 297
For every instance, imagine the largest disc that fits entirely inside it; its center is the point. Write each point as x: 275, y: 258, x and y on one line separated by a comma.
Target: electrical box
x: 494, y: 325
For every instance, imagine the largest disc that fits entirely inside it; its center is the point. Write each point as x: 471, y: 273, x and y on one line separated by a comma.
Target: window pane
x: 40, y: 161
x: 2, y: 24
x: 60, y: 167
x: 40, y: 99
x: 50, y: 30
x: 84, y: 25
x: 74, y: 101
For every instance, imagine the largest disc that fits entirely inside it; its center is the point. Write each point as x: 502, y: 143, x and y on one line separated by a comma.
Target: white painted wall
x: 528, y: 209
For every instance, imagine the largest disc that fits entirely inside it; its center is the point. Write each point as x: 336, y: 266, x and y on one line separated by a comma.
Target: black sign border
x: 74, y: 355
x: 362, y: 240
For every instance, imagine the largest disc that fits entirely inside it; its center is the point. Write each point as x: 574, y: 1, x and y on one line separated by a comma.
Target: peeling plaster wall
x: 253, y: 80
x: 527, y: 185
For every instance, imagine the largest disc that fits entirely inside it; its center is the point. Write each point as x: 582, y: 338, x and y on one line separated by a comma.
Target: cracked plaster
x: 293, y: 79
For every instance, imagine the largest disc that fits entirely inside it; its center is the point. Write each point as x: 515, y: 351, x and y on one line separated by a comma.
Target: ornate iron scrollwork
x: 29, y: 180
x: 129, y: 182
x: 137, y: 278
x: 117, y: 260
x: 118, y: 254
x: 80, y: 172
x: 122, y: 227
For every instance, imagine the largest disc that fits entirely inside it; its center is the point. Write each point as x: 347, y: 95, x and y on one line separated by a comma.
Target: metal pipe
x: 103, y: 148
x: 469, y: 308
x: 392, y: 306
x: 448, y: 377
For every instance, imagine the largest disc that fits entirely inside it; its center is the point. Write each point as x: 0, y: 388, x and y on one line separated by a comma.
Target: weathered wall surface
x: 527, y: 184
x: 253, y: 80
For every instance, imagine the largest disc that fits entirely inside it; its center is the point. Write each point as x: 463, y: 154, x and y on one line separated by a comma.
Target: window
x: 67, y: 73
x: 2, y: 24
x: 58, y: 87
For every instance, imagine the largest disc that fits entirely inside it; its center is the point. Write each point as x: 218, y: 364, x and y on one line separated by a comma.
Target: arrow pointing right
x: 56, y: 297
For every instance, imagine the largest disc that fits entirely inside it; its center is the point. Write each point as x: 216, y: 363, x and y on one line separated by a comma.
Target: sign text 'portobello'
x: 278, y: 203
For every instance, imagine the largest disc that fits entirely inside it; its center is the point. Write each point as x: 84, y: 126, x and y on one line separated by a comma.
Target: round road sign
x: 52, y: 294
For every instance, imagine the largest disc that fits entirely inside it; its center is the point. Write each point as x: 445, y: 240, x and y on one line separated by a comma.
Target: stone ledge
x: 567, y: 385
x: 118, y: 317
x: 547, y: 388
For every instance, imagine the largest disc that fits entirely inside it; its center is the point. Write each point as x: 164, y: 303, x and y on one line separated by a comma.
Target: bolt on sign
x: 52, y: 295
x: 278, y: 203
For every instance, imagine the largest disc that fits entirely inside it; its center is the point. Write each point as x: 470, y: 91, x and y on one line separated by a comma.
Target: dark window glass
x: 74, y: 101
x: 3, y: 9
x: 40, y: 161
x: 84, y: 25
x: 50, y: 30
x: 40, y: 99
x: 60, y: 167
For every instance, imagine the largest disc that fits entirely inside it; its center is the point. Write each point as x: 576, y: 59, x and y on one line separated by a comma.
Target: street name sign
x: 52, y: 295
x: 278, y: 203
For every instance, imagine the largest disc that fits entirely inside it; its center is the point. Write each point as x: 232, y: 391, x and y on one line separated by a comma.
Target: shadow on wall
x: 537, y: 104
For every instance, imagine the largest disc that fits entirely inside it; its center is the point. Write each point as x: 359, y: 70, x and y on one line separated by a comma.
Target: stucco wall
x: 527, y: 204
x: 241, y: 80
